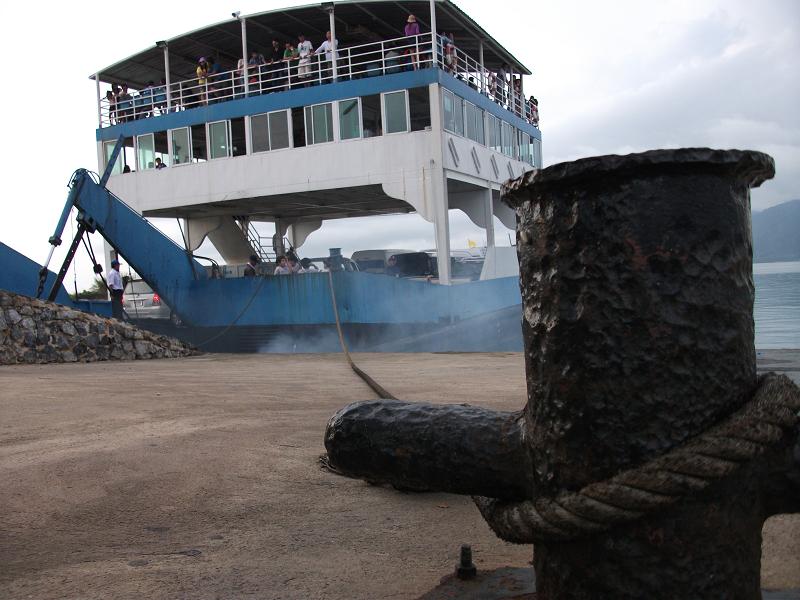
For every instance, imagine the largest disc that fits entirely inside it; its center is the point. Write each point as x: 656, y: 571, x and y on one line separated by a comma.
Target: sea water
x: 777, y: 307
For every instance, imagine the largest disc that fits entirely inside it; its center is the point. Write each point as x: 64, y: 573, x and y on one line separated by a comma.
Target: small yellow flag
x: 471, y: 243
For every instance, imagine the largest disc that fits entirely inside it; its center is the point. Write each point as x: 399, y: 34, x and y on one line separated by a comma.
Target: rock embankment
x: 34, y: 331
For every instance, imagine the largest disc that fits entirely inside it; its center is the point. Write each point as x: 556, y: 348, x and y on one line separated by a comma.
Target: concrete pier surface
x: 199, y: 478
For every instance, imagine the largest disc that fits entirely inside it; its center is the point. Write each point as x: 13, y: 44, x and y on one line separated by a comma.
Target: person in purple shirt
x: 412, y: 29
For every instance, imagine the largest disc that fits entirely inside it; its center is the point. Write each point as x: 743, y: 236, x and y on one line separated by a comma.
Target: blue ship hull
x: 377, y: 312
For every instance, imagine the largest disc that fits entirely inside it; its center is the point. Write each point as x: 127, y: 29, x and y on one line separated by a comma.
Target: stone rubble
x: 35, y: 332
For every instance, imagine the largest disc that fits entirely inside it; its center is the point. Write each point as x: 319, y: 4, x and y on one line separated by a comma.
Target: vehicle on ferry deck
x: 374, y: 261
x: 141, y: 302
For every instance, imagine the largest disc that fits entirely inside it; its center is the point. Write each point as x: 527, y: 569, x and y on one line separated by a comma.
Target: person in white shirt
x: 328, y: 47
x: 305, y: 49
x: 115, y: 287
x: 283, y: 267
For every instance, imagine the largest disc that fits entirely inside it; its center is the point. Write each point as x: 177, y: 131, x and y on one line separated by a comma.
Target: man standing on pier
x: 116, y: 288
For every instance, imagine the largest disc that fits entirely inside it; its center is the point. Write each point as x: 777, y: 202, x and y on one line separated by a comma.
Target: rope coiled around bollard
x: 661, y: 482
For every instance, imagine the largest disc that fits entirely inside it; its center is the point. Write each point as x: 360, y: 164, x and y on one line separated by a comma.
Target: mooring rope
x: 374, y: 385
x: 661, y: 482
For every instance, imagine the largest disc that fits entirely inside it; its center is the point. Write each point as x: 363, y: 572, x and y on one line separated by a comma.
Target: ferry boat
x: 230, y: 126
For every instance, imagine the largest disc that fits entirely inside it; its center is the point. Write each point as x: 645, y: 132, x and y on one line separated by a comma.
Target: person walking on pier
x: 116, y: 288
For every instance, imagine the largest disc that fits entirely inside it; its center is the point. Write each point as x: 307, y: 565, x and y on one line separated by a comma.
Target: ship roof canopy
x: 357, y: 22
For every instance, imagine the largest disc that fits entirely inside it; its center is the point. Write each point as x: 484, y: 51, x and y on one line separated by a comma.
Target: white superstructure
x: 398, y: 124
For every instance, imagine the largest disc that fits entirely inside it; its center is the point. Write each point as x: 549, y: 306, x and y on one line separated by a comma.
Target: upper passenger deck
x: 252, y: 56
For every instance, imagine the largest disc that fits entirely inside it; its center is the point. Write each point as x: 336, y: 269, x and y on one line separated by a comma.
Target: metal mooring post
x: 648, y: 454
x: 637, y: 291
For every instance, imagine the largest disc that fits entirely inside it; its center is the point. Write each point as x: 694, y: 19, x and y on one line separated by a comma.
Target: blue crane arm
x: 163, y: 264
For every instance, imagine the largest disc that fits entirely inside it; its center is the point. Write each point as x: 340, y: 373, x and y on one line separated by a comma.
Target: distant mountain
x: 776, y: 233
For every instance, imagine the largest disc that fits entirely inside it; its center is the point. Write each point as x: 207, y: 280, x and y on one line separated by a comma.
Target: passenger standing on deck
x: 328, y: 47
x: 124, y: 104
x: 283, y: 266
x: 254, y: 70
x: 250, y: 268
x: 533, y: 105
x: 202, y: 78
x: 112, y: 107
x: 412, y: 29
x: 116, y: 288
x: 275, y: 60
x: 294, y: 266
x: 289, y: 54
x: 502, y: 80
x: 305, y: 49
x: 306, y: 266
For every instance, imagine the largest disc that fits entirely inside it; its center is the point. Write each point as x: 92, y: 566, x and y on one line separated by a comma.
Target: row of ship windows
x: 465, y: 119
x: 355, y: 118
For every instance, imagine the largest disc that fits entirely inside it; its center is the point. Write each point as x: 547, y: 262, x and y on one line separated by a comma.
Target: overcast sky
x: 611, y: 77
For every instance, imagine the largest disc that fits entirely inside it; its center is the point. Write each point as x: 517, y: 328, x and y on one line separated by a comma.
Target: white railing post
x: 383, y: 59
x: 99, y: 105
x: 245, y: 75
x: 482, y: 78
x: 167, y: 80
x: 434, y: 48
x: 334, y: 45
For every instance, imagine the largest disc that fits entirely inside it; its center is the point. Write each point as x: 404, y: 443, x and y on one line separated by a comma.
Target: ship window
x: 349, y: 119
x: 108, y: 149
x: 219, y: 136
x: 474, y: 122
x: 162, y: 151
x: 371, y: 115
x: 489, y: 129
x: 199, y: 149
x: 298, y: 127
x: 448, y: 101
x: 537, y: 153
x: 458, y: 115
x: 524, y: 147
x: 507, y: 131
x: 319, y: 123
x: 145, y: 152
x: 419, y: 108
x: 278, y: 130
x: 270, y: 131
x: 396, y: 113
x: 259, y: 133
x: 181, y: 146
x: 496, y: 140
x: 238, y: 146
x: 514, y: 142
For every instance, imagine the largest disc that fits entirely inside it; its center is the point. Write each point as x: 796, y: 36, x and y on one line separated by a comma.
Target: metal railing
x: 354, y: 62
x: 257, y: 241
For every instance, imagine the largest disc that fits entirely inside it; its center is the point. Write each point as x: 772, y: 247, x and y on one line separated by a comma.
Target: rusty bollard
x: 637, y: 294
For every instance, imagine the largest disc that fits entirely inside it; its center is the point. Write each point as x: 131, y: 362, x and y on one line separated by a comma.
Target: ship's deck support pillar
x: 441, y: 226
